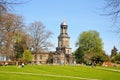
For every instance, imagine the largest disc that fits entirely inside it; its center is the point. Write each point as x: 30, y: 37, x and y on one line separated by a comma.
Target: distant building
x: 2, y: 57
x: 42, y: 58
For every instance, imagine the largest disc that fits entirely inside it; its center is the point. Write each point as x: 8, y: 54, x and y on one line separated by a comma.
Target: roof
x: 64, y: 23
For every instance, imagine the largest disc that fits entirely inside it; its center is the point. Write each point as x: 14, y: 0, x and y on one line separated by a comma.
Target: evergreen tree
x: 114, y: 52
x: 20, y: 45
x: 18, y: 50
x: 79, y: 56
x: 117, y: 58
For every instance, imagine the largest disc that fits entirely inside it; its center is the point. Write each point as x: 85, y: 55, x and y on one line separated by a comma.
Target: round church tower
x: 63, y: 39
x: 63, y: 53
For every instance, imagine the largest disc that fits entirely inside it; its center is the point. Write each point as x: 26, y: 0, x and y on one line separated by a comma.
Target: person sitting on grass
x: 22, y: 65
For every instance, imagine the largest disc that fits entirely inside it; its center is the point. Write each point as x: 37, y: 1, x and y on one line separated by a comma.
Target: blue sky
x: 80, y: 15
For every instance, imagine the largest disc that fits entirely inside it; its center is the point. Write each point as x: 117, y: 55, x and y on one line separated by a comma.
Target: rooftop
x: 64, y: 23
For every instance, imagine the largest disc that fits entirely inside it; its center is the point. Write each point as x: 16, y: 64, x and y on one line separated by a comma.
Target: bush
x: 118, y: 62
x: 27, y: 56
x: 117, y: 57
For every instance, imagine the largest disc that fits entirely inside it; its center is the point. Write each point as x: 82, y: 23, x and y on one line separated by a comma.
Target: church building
x: 63, y: 53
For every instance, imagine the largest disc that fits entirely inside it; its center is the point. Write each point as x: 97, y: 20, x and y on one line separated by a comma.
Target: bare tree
x: 10, y: 3
x: 113, y: 8
x: 39, y: 38
x: 10, y: 23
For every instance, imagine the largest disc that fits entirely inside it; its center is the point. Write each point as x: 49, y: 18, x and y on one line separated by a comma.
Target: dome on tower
x: 64, y: 23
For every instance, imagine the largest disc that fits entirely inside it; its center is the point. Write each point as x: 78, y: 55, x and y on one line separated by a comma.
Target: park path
x: 50, y: 75
x: 115, y: 70
x: 108, y: 69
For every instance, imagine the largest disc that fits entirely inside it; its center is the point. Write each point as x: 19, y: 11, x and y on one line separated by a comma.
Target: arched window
x: 68, y: 51
x: 40, y: 57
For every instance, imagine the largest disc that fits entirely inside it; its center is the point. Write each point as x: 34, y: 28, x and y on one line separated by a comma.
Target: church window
x: 40, y: 61
x: 40, y: 56
x: 35, y: 57
x: 67, y: 51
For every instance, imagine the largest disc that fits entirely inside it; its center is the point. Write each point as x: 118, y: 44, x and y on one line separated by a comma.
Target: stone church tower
x: 63, y: 39
x: 63, y: 53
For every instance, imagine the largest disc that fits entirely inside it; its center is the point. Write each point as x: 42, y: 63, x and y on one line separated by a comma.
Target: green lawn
x: 49, y: 72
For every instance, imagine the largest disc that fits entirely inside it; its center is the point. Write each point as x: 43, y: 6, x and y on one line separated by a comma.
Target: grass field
x: 49, y: 72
